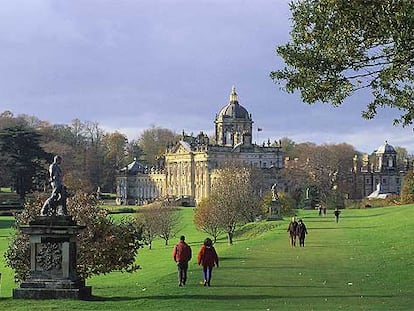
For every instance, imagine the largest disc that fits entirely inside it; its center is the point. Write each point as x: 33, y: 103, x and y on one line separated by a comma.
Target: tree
x: 133, y: 151
x: 147, y: 219
x: 338, y: 47
x: 103, y: 246
x: 402, y: 157
x: 407, y: 191
x: 154, y: 141
x: 206, y: 218
x: 234, y: 197
x: 158, y: 219
x: 324, y: 169
x: 288, y: 146
x: 114, y: 158
x: 94, y: 154
x: 69, y: 141
x: 22, y: 156
x: 168, y: 221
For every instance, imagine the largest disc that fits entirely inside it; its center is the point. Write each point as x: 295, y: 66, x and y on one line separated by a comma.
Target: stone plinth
x: 274, y: 211
x: 52, y: 260
x: 307, y: 204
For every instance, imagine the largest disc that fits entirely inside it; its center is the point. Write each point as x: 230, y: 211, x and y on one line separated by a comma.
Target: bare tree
x: 325, y: 167
x: 158, y: 219
x: 154, y: 141
x: 147, y: 219
x: 168, y: 221
x: 207, y: 219
x: 234, y: 197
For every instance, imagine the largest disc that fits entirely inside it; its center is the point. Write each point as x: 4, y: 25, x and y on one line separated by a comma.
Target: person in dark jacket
x: 182, y: 255
x: 301, y: 232
x: 292, y: 231
x: 207, y: 257
x: 337, y: 213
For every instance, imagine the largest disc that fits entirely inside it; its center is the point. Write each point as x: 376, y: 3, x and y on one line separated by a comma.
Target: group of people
x: 207, y: 258
x: 297, y: 229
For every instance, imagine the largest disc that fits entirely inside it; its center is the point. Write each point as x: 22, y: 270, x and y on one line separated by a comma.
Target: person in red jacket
x: 207, y: 257
x: 182, y: 255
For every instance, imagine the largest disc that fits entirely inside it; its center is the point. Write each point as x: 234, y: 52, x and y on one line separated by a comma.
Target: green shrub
x: 103, y: 246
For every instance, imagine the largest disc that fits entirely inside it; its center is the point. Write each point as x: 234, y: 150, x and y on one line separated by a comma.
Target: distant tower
x: 386, y: 158
x: 233, y: 123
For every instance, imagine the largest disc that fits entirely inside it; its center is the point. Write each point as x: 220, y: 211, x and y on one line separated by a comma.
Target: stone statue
x: 275, y: 197
x: 55, y: 205
x: 274, y: 207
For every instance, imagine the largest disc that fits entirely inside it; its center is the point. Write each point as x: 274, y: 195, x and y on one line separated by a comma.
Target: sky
x: 132, y: 64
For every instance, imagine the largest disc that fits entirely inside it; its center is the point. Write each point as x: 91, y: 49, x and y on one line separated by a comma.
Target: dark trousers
x: 182, y: 272
x: 292, y: 237
x: 302, y: 241
x: 207, y: 272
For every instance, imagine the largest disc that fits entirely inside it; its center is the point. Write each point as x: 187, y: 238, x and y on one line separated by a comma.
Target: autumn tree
x: 147, y: 219
x: 207, y: 218
x: 63, y: 140
x: 235, y: 198
x: 338, y: 47
x: 103, y: 246
x: 407, y: 191
x: 322, y: 168
x: 114, y: 148
x: 154, y: 141
x: 168, y: 221
x: 158, y: 219
x: 288, y: 146
x: 94, y: 153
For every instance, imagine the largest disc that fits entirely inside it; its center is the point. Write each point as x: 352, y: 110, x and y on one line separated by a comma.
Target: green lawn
x: 365, y: 262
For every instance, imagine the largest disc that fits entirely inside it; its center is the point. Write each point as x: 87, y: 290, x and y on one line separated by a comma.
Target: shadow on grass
x: 340, y: 227
x: 232, y: 258
x: 334, y: 245
x: 6, y: 223
x: 264, y: 267
x: 230, y: 297
x: 329, y: 216
x: 365, y: 216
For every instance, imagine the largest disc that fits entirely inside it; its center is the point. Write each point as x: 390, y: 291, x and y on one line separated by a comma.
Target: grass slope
x: 365, y: 262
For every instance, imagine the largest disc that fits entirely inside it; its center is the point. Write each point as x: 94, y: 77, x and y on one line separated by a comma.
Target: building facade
x: 188, y: 168
x: 379, y: 175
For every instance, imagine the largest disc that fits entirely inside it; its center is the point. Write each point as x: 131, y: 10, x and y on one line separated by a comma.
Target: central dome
x: 233, y: 108
x: 386, y: 148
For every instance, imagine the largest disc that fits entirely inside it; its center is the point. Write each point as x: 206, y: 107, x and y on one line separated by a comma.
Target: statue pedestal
x: 52, y: 260
x: 307, y: 204
x: 274, y: 211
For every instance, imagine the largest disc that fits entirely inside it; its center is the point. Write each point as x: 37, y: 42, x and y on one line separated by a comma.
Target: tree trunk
x: 230, y: 237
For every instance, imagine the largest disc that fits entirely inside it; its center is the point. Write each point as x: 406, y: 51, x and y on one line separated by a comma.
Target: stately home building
x: 188, y: 168
x: 378, y: 176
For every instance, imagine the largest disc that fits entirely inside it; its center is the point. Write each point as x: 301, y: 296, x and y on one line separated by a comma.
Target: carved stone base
x: 52, y: 289
x: 307, y: 204
x: 274, y: 211
x: 52, y: 261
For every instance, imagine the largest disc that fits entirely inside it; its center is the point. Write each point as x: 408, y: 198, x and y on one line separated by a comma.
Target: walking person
x: 292, y: 231
x: 207, y: 258
x: 182, y: 255
x: 337, y: 213
x: 301, y: 232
